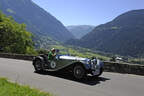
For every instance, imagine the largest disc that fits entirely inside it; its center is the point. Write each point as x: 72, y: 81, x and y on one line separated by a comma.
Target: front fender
x: 100, y: 64
x: 86, y: 66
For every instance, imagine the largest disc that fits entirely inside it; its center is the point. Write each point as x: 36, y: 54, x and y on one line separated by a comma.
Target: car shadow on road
x: 89, y: 80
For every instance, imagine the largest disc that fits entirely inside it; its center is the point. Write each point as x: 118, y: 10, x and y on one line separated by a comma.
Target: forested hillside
x: 124, y: 35
x: 38, y: 21
x: 80, y: 30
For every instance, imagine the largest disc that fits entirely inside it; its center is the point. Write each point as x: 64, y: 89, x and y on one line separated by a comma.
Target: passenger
x: 51, y: 54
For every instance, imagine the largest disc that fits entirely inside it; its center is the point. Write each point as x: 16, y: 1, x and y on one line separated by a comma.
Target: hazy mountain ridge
x: 38, y: 20
x: 80, y: 30
x: 124, y: 35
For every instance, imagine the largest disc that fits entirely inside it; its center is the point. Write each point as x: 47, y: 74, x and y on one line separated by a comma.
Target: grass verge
x: 13, y: 89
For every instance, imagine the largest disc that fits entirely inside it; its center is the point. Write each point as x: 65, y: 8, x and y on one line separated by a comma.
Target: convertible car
x: 80, y: 67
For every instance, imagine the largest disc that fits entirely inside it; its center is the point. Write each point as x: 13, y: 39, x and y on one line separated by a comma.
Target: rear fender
x: 38, y: 58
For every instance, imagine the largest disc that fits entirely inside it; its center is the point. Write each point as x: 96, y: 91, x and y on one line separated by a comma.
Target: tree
x: 13, y: 36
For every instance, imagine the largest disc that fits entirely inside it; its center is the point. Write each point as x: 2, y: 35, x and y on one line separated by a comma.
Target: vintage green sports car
x: 80, y: 67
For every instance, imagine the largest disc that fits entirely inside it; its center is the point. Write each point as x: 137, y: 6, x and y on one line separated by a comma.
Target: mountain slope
x: 124, y: 35
x: 80, y: 30
x: 38, y: 20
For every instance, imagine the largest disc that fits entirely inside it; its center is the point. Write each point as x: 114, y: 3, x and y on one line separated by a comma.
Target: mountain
x: 124, y: 35
x: 80, y: 30
x: 38, y: 21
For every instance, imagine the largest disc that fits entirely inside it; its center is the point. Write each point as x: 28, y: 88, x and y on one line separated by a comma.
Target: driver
x: 51, y: 54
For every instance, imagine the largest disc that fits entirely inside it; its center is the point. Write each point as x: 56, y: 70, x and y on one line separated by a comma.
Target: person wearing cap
x: 51, y: 54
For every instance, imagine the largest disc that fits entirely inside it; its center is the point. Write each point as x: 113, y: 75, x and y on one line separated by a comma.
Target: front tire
x: 38, y: 65
x: 101, y: 71
x: 78, y: 72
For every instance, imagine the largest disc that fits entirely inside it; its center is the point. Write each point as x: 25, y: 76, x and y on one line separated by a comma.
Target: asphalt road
x: 109, y: 84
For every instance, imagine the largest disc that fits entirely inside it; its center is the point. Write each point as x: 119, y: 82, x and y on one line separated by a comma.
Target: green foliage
x: 44, y: 42
x: 13, y: 89
x: 136, y: 60
x: 14, y: 38
x: 42, y: 51
x: 10, y: 11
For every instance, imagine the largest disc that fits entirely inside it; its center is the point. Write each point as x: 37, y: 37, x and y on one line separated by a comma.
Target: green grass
x: 13, y: 89
x: 136, y: 60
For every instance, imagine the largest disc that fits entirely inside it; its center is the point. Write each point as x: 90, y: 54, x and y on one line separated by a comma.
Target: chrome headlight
x: 88, y: 61
x: 94, y: 61
x: 94, y: 64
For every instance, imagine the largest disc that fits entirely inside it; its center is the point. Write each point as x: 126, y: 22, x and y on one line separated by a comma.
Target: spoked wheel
x: 78, y: 72
x: 38, y: 66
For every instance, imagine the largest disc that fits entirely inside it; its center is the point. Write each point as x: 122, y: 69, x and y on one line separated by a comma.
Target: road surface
x: 109, y: 84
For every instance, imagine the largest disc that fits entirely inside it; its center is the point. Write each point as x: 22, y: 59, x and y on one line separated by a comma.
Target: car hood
x: 72, y: 58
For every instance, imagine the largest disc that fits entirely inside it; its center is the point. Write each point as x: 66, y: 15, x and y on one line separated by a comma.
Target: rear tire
x: 79, y: 72
x: 38, y: 65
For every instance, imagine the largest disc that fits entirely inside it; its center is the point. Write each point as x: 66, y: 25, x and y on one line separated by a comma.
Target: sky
x: 88, y: 12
